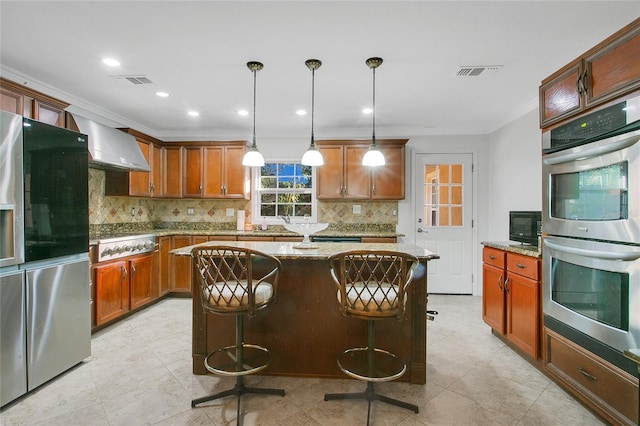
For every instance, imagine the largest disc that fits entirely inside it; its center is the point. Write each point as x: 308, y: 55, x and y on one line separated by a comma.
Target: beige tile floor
x: 140, y: 373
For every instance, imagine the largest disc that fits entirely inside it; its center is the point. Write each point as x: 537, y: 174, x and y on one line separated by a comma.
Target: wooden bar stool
x: 372, y: 286
x: 236, y: 281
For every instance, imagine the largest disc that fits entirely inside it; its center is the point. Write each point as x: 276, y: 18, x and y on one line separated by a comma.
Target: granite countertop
x: 514, y: 247
x: 318, y: 251
x: 273, y: 231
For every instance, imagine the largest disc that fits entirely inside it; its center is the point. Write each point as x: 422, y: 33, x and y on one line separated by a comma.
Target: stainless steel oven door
x: 593, y: 190
x: 593, y: 287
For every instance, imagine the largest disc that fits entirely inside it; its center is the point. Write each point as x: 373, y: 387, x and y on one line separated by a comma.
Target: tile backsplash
x: 137, y: 210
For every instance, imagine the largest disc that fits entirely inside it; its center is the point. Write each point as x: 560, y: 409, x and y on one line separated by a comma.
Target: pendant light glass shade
x: 312, y: 157
x: 253, y: 157
x: 373, y: 157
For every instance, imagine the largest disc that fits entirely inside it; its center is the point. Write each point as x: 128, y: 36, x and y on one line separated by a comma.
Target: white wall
x: 507, y: 176
x: 515, y: 172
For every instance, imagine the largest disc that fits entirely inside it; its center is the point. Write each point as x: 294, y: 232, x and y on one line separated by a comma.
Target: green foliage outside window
x: 285, y: 190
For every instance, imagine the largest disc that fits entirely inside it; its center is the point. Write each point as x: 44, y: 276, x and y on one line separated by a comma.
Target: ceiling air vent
x: 133, y: 79
x: 477, y: 70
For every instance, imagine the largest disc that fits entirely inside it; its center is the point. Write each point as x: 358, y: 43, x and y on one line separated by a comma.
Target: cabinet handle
x: 500, y: 282
x: 124, y: 274
x: 506, y: 285
x: 133, y: 271
x: 521, y: 266
x: 373, y: 190
x: 579, y: 85
x: 492, y: 257
x: 585, y: 374
x: 583, y: 82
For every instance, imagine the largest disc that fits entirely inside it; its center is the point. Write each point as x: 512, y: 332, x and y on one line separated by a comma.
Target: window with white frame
x: 283, y: 189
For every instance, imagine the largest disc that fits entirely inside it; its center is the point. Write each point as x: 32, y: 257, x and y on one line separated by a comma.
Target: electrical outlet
x: 190, y: 211
x: 357, y: 209
x: 394, y: 212
x: 133, y: 211
x: 230, y: 212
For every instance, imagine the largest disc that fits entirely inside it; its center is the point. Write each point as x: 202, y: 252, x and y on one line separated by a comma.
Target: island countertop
x: 319, y: 251
x: 304, y: 330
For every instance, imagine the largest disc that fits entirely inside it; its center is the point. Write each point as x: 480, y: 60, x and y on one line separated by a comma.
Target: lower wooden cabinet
x: 607, y: 389
x: 180, y: 266
x: 164, y: 246
x: 123, y: 285
x: 511, y: 295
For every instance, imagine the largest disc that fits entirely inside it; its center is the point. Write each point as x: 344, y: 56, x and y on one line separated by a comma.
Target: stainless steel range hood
x: 111, y: 148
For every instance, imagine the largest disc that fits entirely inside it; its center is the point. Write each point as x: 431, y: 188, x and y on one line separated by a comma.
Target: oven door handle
x: 615, y: 144
x: 597, y: 254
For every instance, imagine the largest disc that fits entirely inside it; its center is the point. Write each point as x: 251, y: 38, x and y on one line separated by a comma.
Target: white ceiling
x: 197, y: 51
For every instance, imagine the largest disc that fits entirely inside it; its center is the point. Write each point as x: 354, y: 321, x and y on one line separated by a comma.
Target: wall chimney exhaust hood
x: 111, y: 148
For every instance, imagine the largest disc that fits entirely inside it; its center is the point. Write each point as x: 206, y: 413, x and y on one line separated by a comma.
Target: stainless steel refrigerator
x: 45, y: 318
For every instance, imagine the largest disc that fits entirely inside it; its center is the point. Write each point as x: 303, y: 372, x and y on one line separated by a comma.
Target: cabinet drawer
x: 523, y: 265
x: 593, y: 377
x: 492, y: 256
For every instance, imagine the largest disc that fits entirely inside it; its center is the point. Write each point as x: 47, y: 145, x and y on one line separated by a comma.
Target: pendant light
x: 253, y: 157
x: 373, y: 157
x: 312, y: 157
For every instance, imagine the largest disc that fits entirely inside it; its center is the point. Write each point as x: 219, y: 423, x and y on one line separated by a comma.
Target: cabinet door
x: 493, y: 297
x: 172, y: 171
x: 613, y: 70
x: 139, y: 182
x: 47, y: 113
x: 213, y: 172
x: 192, y: 168
x: 11, y: 101
x: 141, y: 280
x: 523, y: 314
x: 156, y: 171
x: 388, y: 180
x: 112, y: 291
x: 235, y: 174
x: 559, y: 95
x: 180, y: 265
x: 329, y: 176
x: 357, y: 178
x: 164, y: 246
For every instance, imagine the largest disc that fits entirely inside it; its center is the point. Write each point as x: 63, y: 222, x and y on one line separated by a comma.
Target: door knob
x: 420, y: 230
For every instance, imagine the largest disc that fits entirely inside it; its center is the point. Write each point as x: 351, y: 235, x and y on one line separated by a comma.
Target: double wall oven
x: 591, y: 222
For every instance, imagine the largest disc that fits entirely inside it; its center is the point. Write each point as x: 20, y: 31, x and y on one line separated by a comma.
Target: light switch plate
x: 190, y: 211
x: 357, y: 209
x: 230, y: 212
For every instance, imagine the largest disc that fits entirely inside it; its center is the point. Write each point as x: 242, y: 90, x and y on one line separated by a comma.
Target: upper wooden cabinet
x: 215, y: 170
x: 610, y: 70
x: 171, y: 176
x: 344, y: 177
x: 22, y: 100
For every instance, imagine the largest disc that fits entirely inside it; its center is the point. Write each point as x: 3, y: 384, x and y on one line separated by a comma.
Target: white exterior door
x: 444, y: 219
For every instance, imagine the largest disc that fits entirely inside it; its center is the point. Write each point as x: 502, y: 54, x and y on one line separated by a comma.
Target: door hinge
x: 472, y: 223
x: 473, y: 169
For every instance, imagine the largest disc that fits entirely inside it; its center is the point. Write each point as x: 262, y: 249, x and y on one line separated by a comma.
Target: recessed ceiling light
x: 301, y: 112
x: 367, y: 111
x: 243, y: 112
x: 162, y: 94
x: 193, y: 113
x: 111, y: 62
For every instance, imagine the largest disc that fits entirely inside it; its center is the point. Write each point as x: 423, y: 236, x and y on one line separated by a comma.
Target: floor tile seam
x: 479, y: 403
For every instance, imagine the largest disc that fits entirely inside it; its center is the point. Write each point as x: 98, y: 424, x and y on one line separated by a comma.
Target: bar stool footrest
x: 223, y: 361
x: 355, y: 362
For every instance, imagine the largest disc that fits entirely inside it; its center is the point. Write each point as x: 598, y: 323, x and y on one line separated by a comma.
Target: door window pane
x: 443, y: 194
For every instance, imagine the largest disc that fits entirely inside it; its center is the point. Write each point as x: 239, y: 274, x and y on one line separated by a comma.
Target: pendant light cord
x: 373, y: 136
x: 313, y: 102
x: 254, y: 109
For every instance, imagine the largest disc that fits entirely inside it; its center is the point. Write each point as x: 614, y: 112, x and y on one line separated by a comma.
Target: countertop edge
x: 514, y: 247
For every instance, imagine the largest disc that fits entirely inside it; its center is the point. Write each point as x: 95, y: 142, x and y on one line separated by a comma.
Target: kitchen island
x: 304, y: 329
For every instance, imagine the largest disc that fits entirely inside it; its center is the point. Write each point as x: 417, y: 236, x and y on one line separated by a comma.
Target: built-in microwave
x: 592, y: 185
x: 525, y: 226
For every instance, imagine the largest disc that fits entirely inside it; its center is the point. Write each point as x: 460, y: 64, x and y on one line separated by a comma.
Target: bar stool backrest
x: 235, y: 280
x: 372, y: 284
